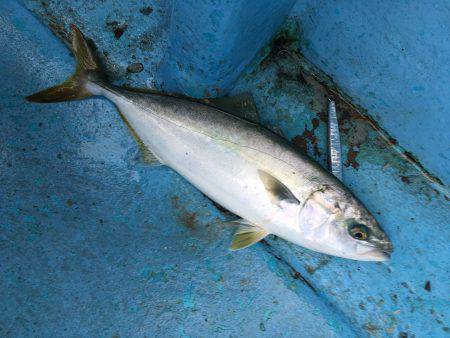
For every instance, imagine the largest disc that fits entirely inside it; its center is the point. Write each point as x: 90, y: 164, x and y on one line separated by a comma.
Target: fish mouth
x: 386, y: 247
x: 376, y: 255
x: 379, y: 253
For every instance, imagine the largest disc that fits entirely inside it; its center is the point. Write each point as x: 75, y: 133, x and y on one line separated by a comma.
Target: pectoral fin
x: 246, y: 235
x: 241, y: 105
x: 276, y: 190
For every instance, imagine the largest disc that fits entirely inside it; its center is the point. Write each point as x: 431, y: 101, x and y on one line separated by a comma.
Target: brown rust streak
x: 405, y: 179
x: 286, y: 45
x: 187, y: 218
x: 301, y: 141
x: 356, y: 114
x: 351, y: 158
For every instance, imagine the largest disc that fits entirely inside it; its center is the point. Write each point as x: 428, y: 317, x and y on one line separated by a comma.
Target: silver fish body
x: 222, y: 155
x: 245, y: 168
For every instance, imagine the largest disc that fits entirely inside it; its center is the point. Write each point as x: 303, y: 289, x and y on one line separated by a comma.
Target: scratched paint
x: 126, y: 249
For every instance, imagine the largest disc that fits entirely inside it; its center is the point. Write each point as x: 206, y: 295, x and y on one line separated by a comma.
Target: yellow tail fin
x: 88, y: 69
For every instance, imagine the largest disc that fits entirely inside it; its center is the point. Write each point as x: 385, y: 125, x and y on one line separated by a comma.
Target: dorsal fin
x: 242, y: 105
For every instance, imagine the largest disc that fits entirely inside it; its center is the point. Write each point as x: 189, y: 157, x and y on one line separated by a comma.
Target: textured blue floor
x: 95, y: 243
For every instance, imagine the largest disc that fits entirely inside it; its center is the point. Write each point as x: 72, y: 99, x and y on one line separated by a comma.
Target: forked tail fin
x: 74, y: 88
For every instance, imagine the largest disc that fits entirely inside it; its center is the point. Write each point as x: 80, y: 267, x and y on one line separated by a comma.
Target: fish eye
x: 359, y: 231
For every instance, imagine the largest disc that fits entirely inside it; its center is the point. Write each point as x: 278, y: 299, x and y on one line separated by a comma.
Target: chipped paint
x: 358, y: 127
x: 391, y: 59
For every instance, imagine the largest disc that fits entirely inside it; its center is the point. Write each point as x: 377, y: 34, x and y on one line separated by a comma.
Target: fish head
x: 334, y: 222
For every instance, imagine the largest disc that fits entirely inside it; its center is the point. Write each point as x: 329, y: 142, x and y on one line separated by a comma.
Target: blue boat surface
x: 95, y: 243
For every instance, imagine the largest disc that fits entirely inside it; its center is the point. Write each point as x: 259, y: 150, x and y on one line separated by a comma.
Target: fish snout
x: 386, y: 246
x: 378, y: 252
x: 383, y: 251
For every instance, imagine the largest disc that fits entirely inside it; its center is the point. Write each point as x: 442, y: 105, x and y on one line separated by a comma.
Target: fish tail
x: 75, y: 87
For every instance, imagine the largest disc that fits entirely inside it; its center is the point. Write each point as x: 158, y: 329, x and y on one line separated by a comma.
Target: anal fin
x: 146, y: 154
x: 246, y: 235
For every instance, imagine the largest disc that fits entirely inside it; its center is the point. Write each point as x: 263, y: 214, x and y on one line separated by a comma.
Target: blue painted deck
x: 95, y: 243
x: 392, y: 60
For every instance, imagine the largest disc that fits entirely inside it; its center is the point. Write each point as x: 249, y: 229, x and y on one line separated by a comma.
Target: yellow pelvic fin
x: 246, y: 235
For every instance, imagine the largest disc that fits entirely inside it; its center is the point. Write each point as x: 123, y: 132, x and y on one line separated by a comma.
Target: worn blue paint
x: 392, y: 59
x: 95, y: 243
x: 384, y: 299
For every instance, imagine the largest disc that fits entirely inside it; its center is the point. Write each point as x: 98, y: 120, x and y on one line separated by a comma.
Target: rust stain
x: 353, y: 119
x: 371, y: 328
x: 352, y: 113
x: 176, y: 201
x: 146, y: 10
x: 351, y: 158
x: 118, y: 31
x: 301, y: 141
x: 135, y: 67
x: 280, y: 48
x: 315, y: 123
x: 323, y: 116
x: 405, y: 179
x: 392, y: 141
x: 354, y: 125
x: 312, y: 269
x: 187, y: 218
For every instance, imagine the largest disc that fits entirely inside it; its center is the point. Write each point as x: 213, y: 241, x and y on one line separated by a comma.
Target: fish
x: 249, y: 170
